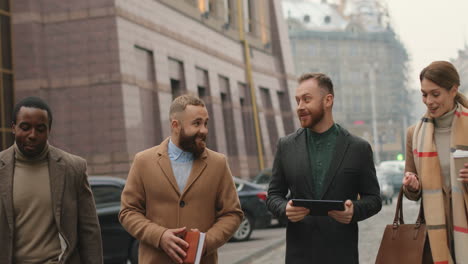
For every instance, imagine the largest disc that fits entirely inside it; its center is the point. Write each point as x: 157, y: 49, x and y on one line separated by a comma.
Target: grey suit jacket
x: 321, y: 239
x: 73, y: 207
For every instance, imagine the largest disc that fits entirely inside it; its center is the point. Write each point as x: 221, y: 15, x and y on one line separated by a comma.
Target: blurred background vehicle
x: 395, y: 170
x: 118, y: 245
x: 263, y: 178
x: 386, y: 186
x: 253, y: 202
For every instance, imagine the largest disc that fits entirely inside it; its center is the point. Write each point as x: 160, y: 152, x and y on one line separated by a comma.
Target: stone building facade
x: 110, y: 69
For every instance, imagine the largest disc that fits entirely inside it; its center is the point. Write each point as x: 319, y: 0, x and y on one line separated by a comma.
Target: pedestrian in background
x: 47, y: 210
x: 180, y: 185
x: 323, y: 161
x: 430, y: 172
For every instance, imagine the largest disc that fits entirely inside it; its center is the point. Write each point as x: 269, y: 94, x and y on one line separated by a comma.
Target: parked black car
x: 253, y: 202
x: 263, y: 179
x: 118, y: 245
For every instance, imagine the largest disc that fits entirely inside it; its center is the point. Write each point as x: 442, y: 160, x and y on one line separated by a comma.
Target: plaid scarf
x: 428, y: 168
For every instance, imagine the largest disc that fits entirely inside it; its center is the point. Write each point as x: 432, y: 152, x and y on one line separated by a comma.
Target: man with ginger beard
x: 180, y: 185
x: 322, y: 161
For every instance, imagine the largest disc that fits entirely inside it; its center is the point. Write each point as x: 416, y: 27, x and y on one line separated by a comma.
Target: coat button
x: 182, y: 203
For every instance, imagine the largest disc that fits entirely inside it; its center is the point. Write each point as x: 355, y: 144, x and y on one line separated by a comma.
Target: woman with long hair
x: 430, y: 172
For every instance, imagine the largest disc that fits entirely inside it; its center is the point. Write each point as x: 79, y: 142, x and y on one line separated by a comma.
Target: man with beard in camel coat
x: 178, y: 186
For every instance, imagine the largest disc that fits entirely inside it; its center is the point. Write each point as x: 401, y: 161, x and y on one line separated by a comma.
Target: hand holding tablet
x: 319, y: 207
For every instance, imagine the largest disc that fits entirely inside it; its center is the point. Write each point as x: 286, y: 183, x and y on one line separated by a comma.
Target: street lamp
x: 375, y: 138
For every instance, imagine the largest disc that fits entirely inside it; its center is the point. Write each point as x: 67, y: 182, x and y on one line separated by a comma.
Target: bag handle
x: 398, y: 219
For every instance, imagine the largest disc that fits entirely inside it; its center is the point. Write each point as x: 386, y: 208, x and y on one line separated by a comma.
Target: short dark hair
x: 323, y: 81
x: 34, y: 102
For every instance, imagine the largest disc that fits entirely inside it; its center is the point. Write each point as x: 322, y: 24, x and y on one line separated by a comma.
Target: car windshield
x: 263, y: 177
x: 106, y: 195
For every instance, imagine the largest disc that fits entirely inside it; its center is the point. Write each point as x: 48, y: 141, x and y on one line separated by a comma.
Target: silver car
x: 386, y: 186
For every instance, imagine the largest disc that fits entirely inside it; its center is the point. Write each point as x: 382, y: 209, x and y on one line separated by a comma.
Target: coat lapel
x: 342, y: 143
x: 165, y: 165
x: 6, y: 184
x: 303, y: 164
x: 57, y: 181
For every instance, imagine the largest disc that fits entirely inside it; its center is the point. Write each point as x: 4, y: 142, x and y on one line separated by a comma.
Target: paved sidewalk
x: 275, y: 256
x: 266, y: 254
x: 262, y: 242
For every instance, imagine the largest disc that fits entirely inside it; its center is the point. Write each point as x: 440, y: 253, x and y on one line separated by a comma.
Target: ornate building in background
x: 353, y: 42
x: 110, y: 69
x: 461, y: 63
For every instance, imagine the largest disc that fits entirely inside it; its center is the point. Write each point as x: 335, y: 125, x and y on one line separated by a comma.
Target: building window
x: 6, y: 76
x: 176, y: 75
x: 249, y: 17
x: 357, y: 106
x: 228, y: 116
x: 249, y: 127
x: 264, y: 24
x: 145, y: 64
x: 230, y: 13
x: 149, y: 97
x: 204, y: 92
x: 204, y: 6
x: 269, y: 113
x: 286, y: 112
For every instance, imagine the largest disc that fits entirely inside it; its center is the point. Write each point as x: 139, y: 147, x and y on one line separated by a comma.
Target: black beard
x: 189, y: 143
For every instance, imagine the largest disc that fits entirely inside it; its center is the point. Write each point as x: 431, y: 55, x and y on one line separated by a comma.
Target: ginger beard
x: 309, y: 118
x: 194, y: 144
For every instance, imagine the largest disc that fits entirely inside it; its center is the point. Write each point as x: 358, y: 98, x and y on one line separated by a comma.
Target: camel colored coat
x: 152, y: 202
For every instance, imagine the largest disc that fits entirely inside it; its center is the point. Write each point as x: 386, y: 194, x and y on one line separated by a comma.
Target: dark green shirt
x: 321, y: 147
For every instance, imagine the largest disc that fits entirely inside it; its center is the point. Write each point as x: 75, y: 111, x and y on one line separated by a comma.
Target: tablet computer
x: 319, y: 207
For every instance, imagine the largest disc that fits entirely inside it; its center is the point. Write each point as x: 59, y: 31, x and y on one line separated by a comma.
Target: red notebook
x: 196, y: 241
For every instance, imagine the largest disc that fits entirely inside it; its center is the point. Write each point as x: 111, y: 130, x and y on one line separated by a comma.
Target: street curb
x: 261, y: 252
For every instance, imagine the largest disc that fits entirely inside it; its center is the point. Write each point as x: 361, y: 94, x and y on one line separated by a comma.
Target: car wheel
x: 133, y: 256
x: 245, y: 229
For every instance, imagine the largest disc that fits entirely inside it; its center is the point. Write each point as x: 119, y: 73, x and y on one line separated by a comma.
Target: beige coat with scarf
x: 152, y: 202
x: 445, y: 211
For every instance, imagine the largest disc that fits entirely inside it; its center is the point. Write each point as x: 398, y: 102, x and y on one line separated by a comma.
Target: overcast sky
x: 430, y: 30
